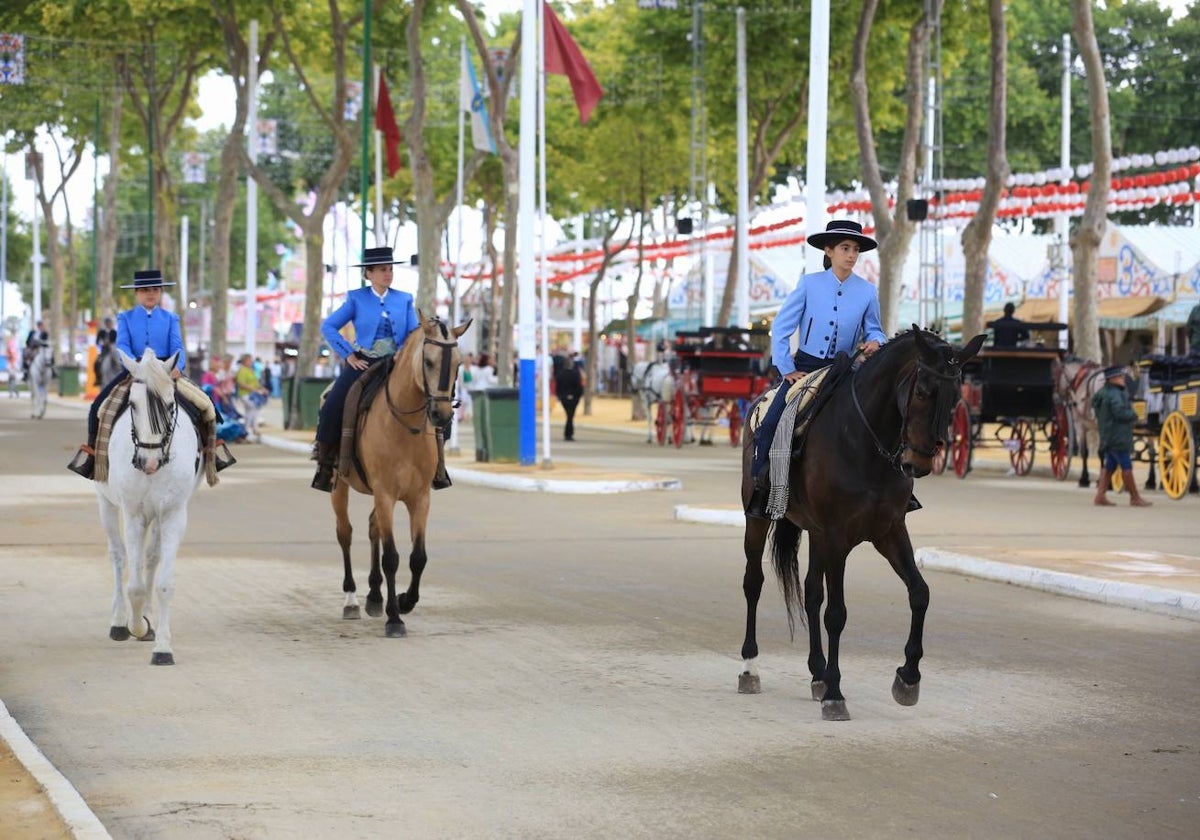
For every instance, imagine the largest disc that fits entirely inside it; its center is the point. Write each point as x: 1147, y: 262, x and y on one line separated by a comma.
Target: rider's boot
x: 1135, y: 498
x: 84, y: 462
x: 756, y: 508
x: 1102, y: 482
x: 326, y: 457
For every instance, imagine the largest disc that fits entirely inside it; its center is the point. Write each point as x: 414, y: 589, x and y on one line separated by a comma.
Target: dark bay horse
x: 878, y: 431
x: 397, y: 450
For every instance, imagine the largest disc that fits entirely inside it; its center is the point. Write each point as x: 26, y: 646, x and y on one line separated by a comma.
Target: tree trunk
x: 977, y: 237
x: 495, y: 292
x: 893, y: 230
x: 631, y: 302
x: 507, y: 315
x: 1085, y: 243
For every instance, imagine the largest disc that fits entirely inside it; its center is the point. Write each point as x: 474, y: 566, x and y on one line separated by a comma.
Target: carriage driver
x: 383, y: 318
x: 834, y: 311
x: 149, y: 325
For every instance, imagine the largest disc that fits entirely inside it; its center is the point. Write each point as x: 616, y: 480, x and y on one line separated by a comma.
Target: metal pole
x: 743, y: 179
x: 818, y: 120
x: 455, y: 315
x: 3, y: 231
x: 37, y: 266
x: 150, y: 157
x: 526, y: 255
x: 364, y: 179
x: 378, y: 172
x: 252, y: 199
x: 183, y: 281
x: 1060, y: 221
x: 547, y: 367
x: 95, y: 209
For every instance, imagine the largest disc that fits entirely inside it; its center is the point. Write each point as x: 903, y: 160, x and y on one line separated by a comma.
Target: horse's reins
x: 893, y: 458
x: 444, y: 384
x: 160, y: 424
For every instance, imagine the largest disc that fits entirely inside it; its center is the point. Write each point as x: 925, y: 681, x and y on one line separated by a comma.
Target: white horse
x: 40, y: 371
x: 653, y: 383
x: 154, y: 466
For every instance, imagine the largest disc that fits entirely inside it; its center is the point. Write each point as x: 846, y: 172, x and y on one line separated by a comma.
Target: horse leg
x: 169, y: 534
x: 897, y: 548
x: 833, y: 703
x: 150, y: 565
x: 135, y: 546
x: 1084, y: 479
x: 118, y: 629
x: 814, y: 596
x: 390, y: 563
x: 340, y: 499
x: 753, y: 543
x: 375, y: 578
x: 418, y: 516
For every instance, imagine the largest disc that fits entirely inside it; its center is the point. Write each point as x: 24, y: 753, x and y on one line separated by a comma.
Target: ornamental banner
x: 12, y: 59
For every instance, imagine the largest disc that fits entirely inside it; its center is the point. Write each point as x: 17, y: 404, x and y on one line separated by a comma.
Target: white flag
x: 471, y: 100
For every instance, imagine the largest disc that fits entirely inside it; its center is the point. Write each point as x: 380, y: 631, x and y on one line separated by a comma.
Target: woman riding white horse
x: 41, y: 370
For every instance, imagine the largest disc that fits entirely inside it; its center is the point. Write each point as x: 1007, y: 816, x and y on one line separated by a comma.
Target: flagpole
x: 367, y: 102
x: 378, y: 171
x: 526, y: 326
x: 455, y: 315
x: 252, y: 199
x: 547, y: 367
x: 743, y: 180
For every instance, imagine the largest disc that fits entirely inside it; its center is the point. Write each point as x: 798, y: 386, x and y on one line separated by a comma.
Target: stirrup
x: 222, y: 457
x: 323, y: 480
x: 83, y: 462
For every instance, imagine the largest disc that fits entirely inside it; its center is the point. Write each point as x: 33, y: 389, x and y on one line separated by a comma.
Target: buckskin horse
x: 395, y: 457
x: 876, y: 430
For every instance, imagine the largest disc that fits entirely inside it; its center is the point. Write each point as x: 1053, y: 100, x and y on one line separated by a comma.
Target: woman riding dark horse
x: 851, y: 476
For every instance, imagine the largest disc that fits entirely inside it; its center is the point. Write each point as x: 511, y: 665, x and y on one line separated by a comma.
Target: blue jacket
x: 157, y: 329
x: 831, y: 315
x: 362, y: 307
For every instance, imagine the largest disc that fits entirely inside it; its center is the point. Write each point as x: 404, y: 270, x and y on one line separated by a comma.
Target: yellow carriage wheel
x: 1176, y: 455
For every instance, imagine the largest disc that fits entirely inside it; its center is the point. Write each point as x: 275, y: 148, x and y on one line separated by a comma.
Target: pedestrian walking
x: 1115, y: 417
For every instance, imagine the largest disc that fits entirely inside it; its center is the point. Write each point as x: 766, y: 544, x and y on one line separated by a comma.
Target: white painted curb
x: 1136, y: 596
x: 80, y: 820
x: 709, y: 516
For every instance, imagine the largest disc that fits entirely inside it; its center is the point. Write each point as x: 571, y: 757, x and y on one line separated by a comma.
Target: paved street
x: 571, y: 669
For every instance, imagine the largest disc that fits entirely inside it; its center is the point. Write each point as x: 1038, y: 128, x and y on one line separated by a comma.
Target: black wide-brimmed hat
x: 377, y: 256
x: 1115, y: 370
x: 840, y: 229
x: 150, y: 278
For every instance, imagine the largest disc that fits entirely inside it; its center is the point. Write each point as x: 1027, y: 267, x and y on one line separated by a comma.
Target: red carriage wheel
x: 960, y: 439
x: 734, y: 413
x: 678, y: 417
x: 1020, y: 447
x: 661, y: 421
x: 1060, y: 442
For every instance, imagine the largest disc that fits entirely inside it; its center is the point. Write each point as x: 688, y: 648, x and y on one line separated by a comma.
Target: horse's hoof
x: 395, y: 630
x: 905, y: 694
x: 162, y: 658
x: 405, y: 604
x: 351, y: 613
x: 818, y: 690
x: 149, y: 637
x: 749, y: 683
x: 374, y: 608
x: 834, y: 710
x: 118, y: 634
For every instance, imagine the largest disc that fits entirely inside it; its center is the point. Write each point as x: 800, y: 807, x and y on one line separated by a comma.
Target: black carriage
x: 1013, y: 391
x: 718, y: 372
x: 1166, y: 397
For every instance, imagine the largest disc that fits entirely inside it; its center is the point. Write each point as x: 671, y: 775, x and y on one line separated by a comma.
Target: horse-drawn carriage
x: 717, y: 372
x: 1167, y: 392
x: 1012, y: 388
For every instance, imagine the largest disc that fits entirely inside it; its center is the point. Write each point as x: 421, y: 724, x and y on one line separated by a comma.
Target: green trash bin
x: 504, y: 424
x: 479, y: 409
x: 68, y: 381
x: 311, y: 388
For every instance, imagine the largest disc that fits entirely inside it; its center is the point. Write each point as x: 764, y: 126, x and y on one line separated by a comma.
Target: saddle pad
x: 804, y: 390
x: 114, y: 404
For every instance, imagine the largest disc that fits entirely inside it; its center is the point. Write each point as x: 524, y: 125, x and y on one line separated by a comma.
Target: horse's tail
x: 785, y: 556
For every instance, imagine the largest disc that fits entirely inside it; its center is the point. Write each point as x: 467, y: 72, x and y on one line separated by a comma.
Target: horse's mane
x: 157, y: 376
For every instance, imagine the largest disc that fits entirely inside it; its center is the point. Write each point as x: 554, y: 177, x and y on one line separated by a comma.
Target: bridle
x: 907, y: 384
x: 446, y: 386
x: 163, y: 421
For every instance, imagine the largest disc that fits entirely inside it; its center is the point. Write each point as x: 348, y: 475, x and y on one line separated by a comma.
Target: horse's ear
x: 462, y: 328
x: 420, y: 317
x: 172, y: 362
x: 128, y: 361
x: 923, y: 344
x: 971, y: 349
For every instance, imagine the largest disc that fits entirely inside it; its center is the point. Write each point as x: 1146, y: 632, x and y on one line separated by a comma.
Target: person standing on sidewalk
x: 1115, y: 417
x: 568, y: 386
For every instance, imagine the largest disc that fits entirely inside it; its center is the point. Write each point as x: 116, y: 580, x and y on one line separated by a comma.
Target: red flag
x: 385, y: 121
x: 564, y: 58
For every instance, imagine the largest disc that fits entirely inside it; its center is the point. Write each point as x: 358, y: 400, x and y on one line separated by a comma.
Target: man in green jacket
x: 1193, y: 328
x: 1115, y: 417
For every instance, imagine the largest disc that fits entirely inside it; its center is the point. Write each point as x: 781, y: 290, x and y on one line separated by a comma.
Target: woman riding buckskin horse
x: 383, y: 318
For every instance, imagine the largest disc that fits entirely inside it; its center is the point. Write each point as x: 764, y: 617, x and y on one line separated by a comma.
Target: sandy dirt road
x: 571, y: 672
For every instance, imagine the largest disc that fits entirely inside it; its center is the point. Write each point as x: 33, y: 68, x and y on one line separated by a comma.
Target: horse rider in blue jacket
x: 383, y: 317
x: 149, y: 325
x: 834, y: 311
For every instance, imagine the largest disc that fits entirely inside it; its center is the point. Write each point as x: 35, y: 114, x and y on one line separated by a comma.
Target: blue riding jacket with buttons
x: 831, y: 316
x: 156, y: 328
x: 365, y: 309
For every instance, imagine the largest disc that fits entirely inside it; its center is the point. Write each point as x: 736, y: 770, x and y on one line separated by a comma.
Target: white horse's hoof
x: 162, y: 658
x: 749, y: 683
x: 351, y: 613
